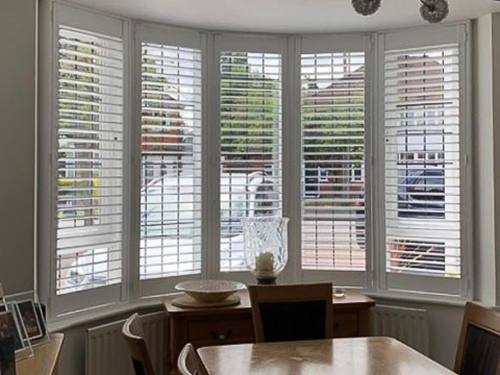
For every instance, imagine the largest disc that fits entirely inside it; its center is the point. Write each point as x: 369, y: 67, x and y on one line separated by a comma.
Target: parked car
x: 420, y: 196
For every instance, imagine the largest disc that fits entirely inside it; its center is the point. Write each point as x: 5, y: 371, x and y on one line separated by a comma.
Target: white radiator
x: 106, y: 352
x: 410, y: 326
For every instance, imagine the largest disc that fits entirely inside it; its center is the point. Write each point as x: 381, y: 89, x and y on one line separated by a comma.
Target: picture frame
x: 30, y: 319
x: 37, y: 333
x: 7, y: 356
x: 11, y: 325
x: 10, y: 328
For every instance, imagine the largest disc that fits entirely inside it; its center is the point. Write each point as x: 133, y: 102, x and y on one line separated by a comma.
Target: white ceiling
x: 286, y: 16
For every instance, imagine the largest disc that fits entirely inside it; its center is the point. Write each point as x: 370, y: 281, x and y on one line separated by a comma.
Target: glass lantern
x: 266, y: 247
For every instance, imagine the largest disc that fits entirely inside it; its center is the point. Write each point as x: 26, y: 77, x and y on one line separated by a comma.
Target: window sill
x: 442, y: 300
x: 97, y: 313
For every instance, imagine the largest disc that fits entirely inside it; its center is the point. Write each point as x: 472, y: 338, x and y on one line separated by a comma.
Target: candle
x: 264, y: 264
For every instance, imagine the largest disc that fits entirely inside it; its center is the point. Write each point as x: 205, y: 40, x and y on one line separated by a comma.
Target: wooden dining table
x: 351, y: 356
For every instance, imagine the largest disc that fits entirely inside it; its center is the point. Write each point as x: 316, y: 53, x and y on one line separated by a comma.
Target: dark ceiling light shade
x: 366, y: 7
x: 434, y: 11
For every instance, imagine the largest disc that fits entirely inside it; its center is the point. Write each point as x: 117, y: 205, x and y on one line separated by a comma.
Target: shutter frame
x: 432, y: 285
x: 331, y: 136
x: 169, y: 110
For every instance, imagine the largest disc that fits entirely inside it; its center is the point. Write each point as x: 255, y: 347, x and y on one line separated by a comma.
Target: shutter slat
x: 423, y: 161
x: 90, y: 137
x: 171, y: 162
x: 250, y: 120
x: 333, y: 152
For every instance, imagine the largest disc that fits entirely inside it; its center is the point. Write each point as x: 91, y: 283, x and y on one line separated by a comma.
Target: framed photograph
x: 9, y: 328
x: 30, y: 319
x: 7, y: 357
x: 29, y: 313
x: 40, y: 312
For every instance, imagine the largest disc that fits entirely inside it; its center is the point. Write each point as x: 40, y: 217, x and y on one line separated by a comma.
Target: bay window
x: 158, y: 147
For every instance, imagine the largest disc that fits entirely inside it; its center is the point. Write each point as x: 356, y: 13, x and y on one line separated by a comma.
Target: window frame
x: 434, y: 287
x: 374, y: 280
x: 59, y: 305
x: 224, y: 42
x: 176, y: 37
x: 338, y: 44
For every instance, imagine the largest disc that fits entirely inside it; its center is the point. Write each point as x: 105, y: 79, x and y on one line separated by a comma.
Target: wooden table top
x: 352, y: 298
x: 353, y: 356
x: 45, y: 357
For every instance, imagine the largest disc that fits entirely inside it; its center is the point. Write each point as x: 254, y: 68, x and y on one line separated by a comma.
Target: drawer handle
x: 221, y: 337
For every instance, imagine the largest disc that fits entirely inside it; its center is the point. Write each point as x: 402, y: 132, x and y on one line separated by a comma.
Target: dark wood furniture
x: 292, y: 312
x: 134, y: 336
x: 45, y: 360
x: 354, y: 356
x: 233, y: 325
x: 478, y: 351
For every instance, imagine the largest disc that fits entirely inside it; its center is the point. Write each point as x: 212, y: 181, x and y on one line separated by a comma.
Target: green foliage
x: 250, y: 107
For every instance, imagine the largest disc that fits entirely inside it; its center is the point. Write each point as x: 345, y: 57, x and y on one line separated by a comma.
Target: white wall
x: 484, y: 160
x: 17, y: 143
x: 496, y: 137
x: 486, y: 125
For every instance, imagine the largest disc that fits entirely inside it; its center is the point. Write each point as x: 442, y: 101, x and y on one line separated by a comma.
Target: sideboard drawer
x: 220, y: 331
x: 345, y: 324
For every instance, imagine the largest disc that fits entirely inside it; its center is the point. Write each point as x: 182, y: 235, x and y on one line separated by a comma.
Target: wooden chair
x: 189, y: 363
x: 478, y: 351
x: 292, y: 312
x: 134, y: 336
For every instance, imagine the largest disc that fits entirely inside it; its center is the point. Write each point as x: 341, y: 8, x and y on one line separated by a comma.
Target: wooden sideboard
x: 233, y: 325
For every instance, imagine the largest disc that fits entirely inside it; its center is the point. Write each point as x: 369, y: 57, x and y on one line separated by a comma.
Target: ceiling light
x: 366, y: 7
x: 433, y: 11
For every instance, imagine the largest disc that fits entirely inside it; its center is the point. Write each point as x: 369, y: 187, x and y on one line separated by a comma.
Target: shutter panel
x: 90, y: 160
x: 171, y: 161
x: 333, y: 160
x: 422, y: 178
x: 250, y: 118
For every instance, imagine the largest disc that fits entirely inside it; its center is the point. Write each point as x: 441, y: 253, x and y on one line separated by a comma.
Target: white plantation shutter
x: 423, y: 165
x: 333, y: 160
x: 250, y: 120
x: 171, y: 161
x: 89, y: 160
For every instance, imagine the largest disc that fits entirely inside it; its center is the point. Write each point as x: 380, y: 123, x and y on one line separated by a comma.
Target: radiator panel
x: 106, y: 352
x: 410, y: 326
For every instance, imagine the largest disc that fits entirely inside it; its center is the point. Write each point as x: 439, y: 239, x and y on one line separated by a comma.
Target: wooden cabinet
x: 233, y: 325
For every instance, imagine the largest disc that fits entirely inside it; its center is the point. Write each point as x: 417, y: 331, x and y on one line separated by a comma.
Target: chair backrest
x: 292, y: 312
x: 478, y: 351
x: 134, y: 336
x: 188, y: 362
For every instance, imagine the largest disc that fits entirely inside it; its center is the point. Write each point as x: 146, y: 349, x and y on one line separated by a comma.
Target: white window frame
x: 373, y: 280
x: 438, y: 288
x: 237, y: 43
x: 59, y: 305
x: 181, y: 38
x: 338, y: 44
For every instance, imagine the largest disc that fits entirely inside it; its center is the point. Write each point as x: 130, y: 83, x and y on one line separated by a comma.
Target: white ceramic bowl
x: 210, y: 291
